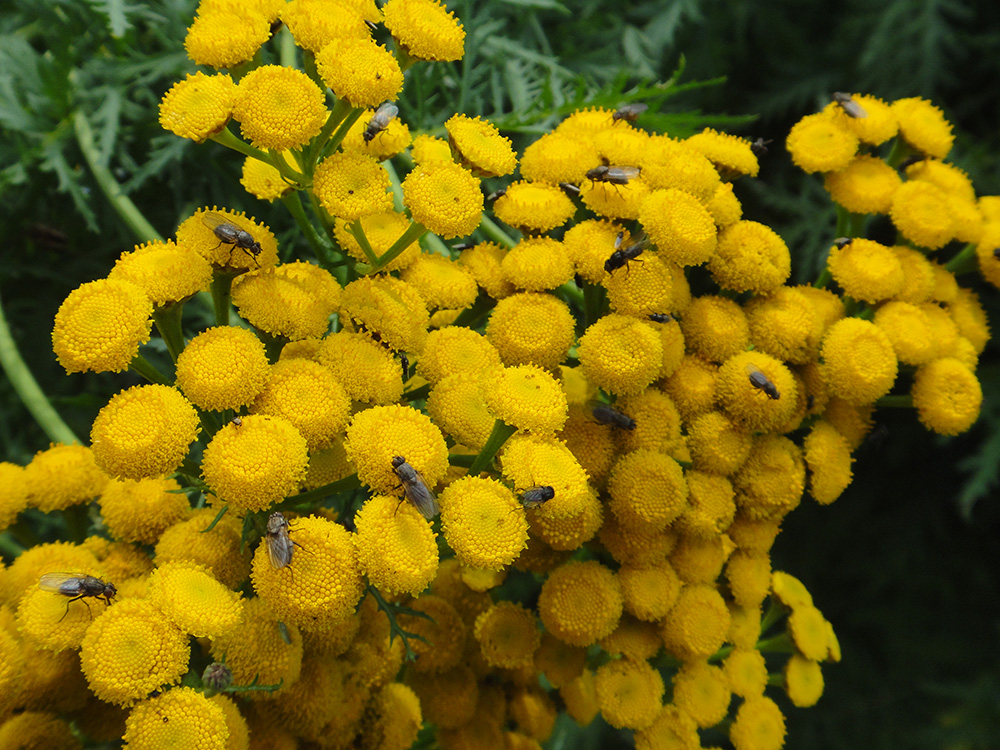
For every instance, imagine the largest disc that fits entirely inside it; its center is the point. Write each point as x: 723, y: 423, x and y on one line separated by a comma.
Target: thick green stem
x: 904, y: 401
x: 358, y: 232
x: 141, y: 367
x: 775, y: 611
x: 965, y: 261
x: 395, y: 184
x: 471, y: 315
x: 900, y: 150
x: 293, y: 202
x: 499, y: 436
x: 412, y: 234
x: 314, y: 495
x: 492, y: 230
x: 9, y: 546
x: 779, y: 644
x: 222, y: 288
x: 168, y: 322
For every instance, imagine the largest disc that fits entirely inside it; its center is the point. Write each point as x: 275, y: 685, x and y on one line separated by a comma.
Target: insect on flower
x: 613, y: 175
x: 77, y: 586
x: 759, y: 147
x: 415, y: 489
x: 237, y: 422
x: 760, y: 381
x: 661, y: 317
x: 229, y: 233
x: 607, y: 414
x: 629, y: 112
x: 380, y: 120
x: 850, y: 107
x: 621, y: 257
x: 842, y: 242
x: 535, y: 497
x: 570, y: 189
x: 496, y: 194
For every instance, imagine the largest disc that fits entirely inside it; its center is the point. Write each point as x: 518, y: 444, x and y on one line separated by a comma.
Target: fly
x: 661, y: 317
x: 415, y: 488
x: 229, y: 233
x: 279, y: 543
x: 609, y: 415
x: 619, y: 258
x: 629, y: 112
x: 759, y: 147
x: 849, y: 105
x: 380, y: 120
x: 760, y: 381
x: 613, y: 175
x: 537, y: 496
x: 76, y: 586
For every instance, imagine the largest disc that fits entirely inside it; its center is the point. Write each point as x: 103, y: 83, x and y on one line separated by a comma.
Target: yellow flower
x: 621, y: 354
x: 196, y: 234
x: 711, y: 506
x: 613, y: 200
x: 426, y: 148
x: 657, y: 422
x: 223, y: 368
x: 646, y: 289
x: 921, y: 213
x: 440, y: 282
x: 395, y: 546
x: 368, y: 372
x: 194, y: 601
x: 724, y: 206
x: 141, y: 511
x: 746, y: 672
x: 853, y: 421
x: 328, y: 465
x: 455, y: 349
x: 585, y: 123
x: 674, y: 164
x: 508, y: 635
x: 790, y: 590
x: 279, y: 108
x: 568, y: 531
x: 580, y: 602
x: 482, y: 523
x: 865, y: 186
x: 131, y: 650
x: 256, y: 464
x: 37, y: 729
x: 818, y: 143
x: 443, y: 634
x: 181, y: 717
x: 526, y: 397
x: 322, y: 586
x: 424, y: 29
x: 447, y: 699
x: 199, y: 106
x: 382, y: 229
x: 633, y: 639
x: 700, y: 559
x: 61, y: 476
x: 558, y: 157
x: 13, y: 494
x: 351, y: 186
x: 391, y: 140
x: 537, y: 264
x: 294, y: 300
x: 717, y: 444
x: 866, y: 270
x: 715, y: 328
x: 970, y: 318
x: 730, y: 154
x: 749, y: 577
x: 629, y: 693
x: 263, y: 181
x: 226, y: 39
x: 479, y: 147
x: 531, y: 328
x: 828, y: 455
x: 879, y: 126
x: 750, y: 257
x: 786, y: 325
x: 558, y: 661
x: 923, y: 126
x: 672, y: 728
x: 318, y: 23
x: 647, y: 490
x: 746, y: 402
x: 144, y: 431
x: 759, y: 725
x: 534, y: 207
x: 591, y: 443
x: 52, y: 622
x: 649, y: 592
x: 803, y: 681
x: 680, y: 226
x: 808, y: 630
x: 394, y: 312
x: 910, y: 330
x: 859, y: 362
x: 696, y: 627
x: 307, y: 395
x: 483, y: 262
x: 542, y: 461
x: 590, y: 243
x: 948, y: 177
x: 701, y: 690
x: 947, y: 395
x: 443, y: 196
x: 221, y: 549
x: 165, y: 272
x: 770, y: 483
x: 359, y: 71
x: 100, y: 326
x: 580, y: 698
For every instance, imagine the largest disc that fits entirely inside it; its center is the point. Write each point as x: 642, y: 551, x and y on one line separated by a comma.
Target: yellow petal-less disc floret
x: 531, y: 328
x: 923, y: 126
x: 382, y: 230
x: 256, y: 463
x: 483, y: 262
x: 226, y: 39
x: 803, y: 681
x: 318, y: 23
x: 478, y: 146
x: 508, y: 635
x: 219, y: 549
x: 865, y: 186
x: 534, y: 207
x: 674, y: 164
x: 193, y: 600
x: 947, y: 395
x: 199, y: 106
x: 194, y: 233
x: 970, y: 318
x: 224, y: 367
x: 61, y: 476
x: 680, y: 226
x: 746, y: 672
x: 144, y: 432
x: 818, y: 143
x: 294, y: 300
x: 621, y: 354
x: 697, y: 624
x: 455, y: 349
x: 395, y: 546
x: 647, y: 490
x: 351, y: 185
x: 590, y: 243
x: 630, y: 693
x: 711, y: 506
x: 13, y: 493
x: 182, y: 717
x: 702, y: 691
x: 526, y: 397
x: 441, y: 282
x: 568, y: 531
x: 100, y: 326
x: 263, y: 181
x: 537, y: 264
x: 750, y: 257
x: 424, y: 29
x: 770, y: 483
x: 360, y: 72
x: 482, y: 524
x: 808, y: 630
x: 558, y: 157
x: 642, y: 290
x: 388, y: 142
x: 580, y: 602
x: 866, y: 270
x: 141, y: 511
x: 532, y: 460
x: 715, y: 328
x: 920, y: 211
x: 444, y: 197
x: 164, y: 271
x: 395, y: 310
x: 786, y: 325
x: 859, y: 362
x: 828, y: 456
x: 879, y: 125
x: 692, y: 386
x: 368, y: 372
x: 730, y: 154
x: 651, y: 591
x: 717, y: 444
x: 615, y: 201
x: 279, y: 108
x: 910, y: 330
x: 759, y: 725
x: 946, y: 176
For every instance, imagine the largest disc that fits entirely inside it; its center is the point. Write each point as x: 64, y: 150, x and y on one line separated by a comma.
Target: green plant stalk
x: 492, y: 230
x: 965, y: 261
x: 500, y: 434
x: 775, y: 611
x: 338, y: 137
x: 9, y: 546
x: 779, y: 644
x: 358, y: 232
x: 168, y: 322
x: 77, y: 522
x: 471, y: 315
x: 226, y: 138
x: 222, y: 289
x: 293, y: 202
x: 28, y: 390
x: 336, y: 117
x: 318, y: 493
x: 594, y: 298
x: 144, y: 369
x: 413, y: 233
x: 395, y: 185
x: 899, y: 151
x: 905, y: 401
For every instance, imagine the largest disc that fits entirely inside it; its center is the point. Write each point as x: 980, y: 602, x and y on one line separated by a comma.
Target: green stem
x: 77, y: 522
x: 471, y: 315
x: 964, y: 262
x: 222, y: 288
x: 462, y: 460
x: 142, y: 367
x: 168, y: 322
x: 358, y: 232
x: 28, y: 390
x: 340, y: 110
x: 904, y: 401
x: 293, y: 202
x: 227, y: 138
x: 272, y: 345
x: 333, y: 488
x: 412, y: 234
x: 9, y: 546
x: 779, y: 644
x: 899, y: 151
x: 492, y: 230
x: 775, y: 611
x: 501, y: 432
x: 594, y: 301
x: 395, y: 184
x: 345, y: 126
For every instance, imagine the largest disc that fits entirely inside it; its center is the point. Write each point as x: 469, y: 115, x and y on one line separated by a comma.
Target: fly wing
x: 212, y: 220
x: 422, y: 498
x: 278, y: 552
x: 67, y: 584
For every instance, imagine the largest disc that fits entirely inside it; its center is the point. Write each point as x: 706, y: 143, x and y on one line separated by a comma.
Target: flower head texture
x: 140, y: 511
x: 424, y: 29
x: 580, y: 602
x: 395, y: 546
x: 444, y: 197
x: 947, y: 395
x: 526, y: 397
x: 226, y: 38
x: 294, y: 300
x: 482, y: 522
x: 480, y: 147
x: 61, y: 476
x: 165, y: 272
x: 621, y: 354
x: 223, y: 368
x: 818, y: 143
x: 531, y: 328
x: 191, y: 598
x: 859, y: 362
x: 279, y: 108
x: 360, y: 71
x: 629, y: 693
x: 923, y: 126
x: 219, y: 549
x: 197, y: 233
x: 454, y: 350
x: 351, y: 186
x: 534, y: 207
x: 181, y: 717
x: 199, y: 106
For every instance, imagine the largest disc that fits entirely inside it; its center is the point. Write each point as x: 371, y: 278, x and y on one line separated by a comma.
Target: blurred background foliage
x: 905, y: 564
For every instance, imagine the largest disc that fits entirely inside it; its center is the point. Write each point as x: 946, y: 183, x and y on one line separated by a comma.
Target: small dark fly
x: 842, y: 242
x: 570, y: 189
x: 279, y: 543
x: 629, y: 112
x: 415, y: 489
x: 661, y: 317
x: 229, y: 233
x: 380, y: 120
x: 996, y: 253
x: 405, y: 362
x: 76, y: 586
x: 759, y: 147
x: 535, y: 497
x: 613, y: 175
x: 850, y: 107
x: 619, y: 258
x: 237, y: 422
x: 760, y: 381
x: 609, y: 415
x: 496, y: 194
x: 463, y: 246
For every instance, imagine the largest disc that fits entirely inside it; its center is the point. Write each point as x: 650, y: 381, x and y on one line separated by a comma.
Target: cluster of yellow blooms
x: 615, y: 455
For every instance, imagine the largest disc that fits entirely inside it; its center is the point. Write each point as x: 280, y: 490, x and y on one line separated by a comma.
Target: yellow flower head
x: 479, y: 147
x: 359, y: 71
x: 633, y: 639
x: 711, y: 506
x: 910, y: 330
x: 61, y: 476
x: 657, y: 422
x: 394, y: 312
x: 591, y: 443
x: 294, y: 300
x: 568, y: 532
x: 307, y: 395
x: 164, y: 271
x: 818, y: 143
x: 808, y: 630
x: 642, y: 289
x: 391, y: 140
x: 790, y: 590
x: 558, y: 661
x: 580, y: 698
x: 717, y: 444
x: 748, y: 575
x: 534, y: 207
x: 443, y: 634
x: 715, y: 328
x: 482, y: 522
x: 181, y: 717
x: 920, y: 211
x: 558, y: 157
x: 759, y: 725
x: 424, y: 29
x: 455, y: 349
x: 483, y: 261
x: 970, y: 318
x: 526, y: 397
x: 13, y: 492
x: 449, y: 698
x: 537, y: 461
x: 853, y: 421
x: 750, y: 257
x: 746, y: 672
x: 803, y: 681
x: 724, y: 206
x: 674, y: 164
x: 199, y: 106
x: 828, y: 456
x: 947, y: 395
x: 52, y: 622
x: 395, y: 546
x: 141, y: 511
x: 531, y: 328
x: 680, y: 226
x: 702, y: 691
x: 615, y: 201
x: 197, y: 232
x: 621, y: 354
x: 223, y: 368
x: 865, y: 186
x: 590, y: 243
x: 321, y: 586
x: 692, y: 386
x: 441, y: 282
x: 382, y: 230
x: 948, y: 177
x: 225, y: 39
x: 879, y: 125
x: 923, y: 126
x: 318, y: 23
x: 131, y: 650
x: 263, y: 181
x: 397, y: 716
x: 368, y: 372
x: 508, y: 635
x: 279, y: 108
x: 221, y: 549
x: 377, y: 435
x: 328, y: 465
x: 144, y: 432
x: 730, y: 154
x: 580, y: 602
x: 31, y: 729
x: 537, y: 264
x: 630, y: 693
x: 696, y: 627
x: 256, y: 464
x: 426, y: 148
x: 866, y: 270
x: 100, y: 326
x: 770, y: 483
x: 443, y: 196
x: 859, y: 362
x: 651, y: 591
x: 786, y: 325
x: 351, y: 186
x: 700, y: 560
x: 647, y: 490
x: 194, y: 601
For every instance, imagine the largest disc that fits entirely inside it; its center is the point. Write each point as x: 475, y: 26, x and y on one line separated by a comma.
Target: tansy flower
x: 702, y: 691
x: 657, y: 422
x: 745, y: 628
x: 533, y: 713
x: 223, y: 368
x: 508, y: 635
x: 910, y: 331
x: 456, y: 349
x: 853, y: 421
x: 197, y: 233
x: 715, y: 327
x: 263, y: 181
x: 558, y: 661
x: 537, y: 264
x: 700, y: 559
x: 633, y: 639
x: 359, y: 71
x: 879, y: 125
x: 749, y: 577
x: 672, y: 727
x: 239, y: 732
x: 621, y: 354
x: 807, y: 628
x: 818, y: 143
x: 141, y: 511
x: 395, y: 546
x: 318, y: 23
x: 441, y: 282
x: 859, y: 362
x: 199, y: 106
x: 629, y: 693
x: 711, y: 506
x: 525, y: 397
x: 865, y: 186
x: 31, y: 729
x: 580, y: 698
x: 328, y: 465
x: 165, y: 272
x: 923, y: 126
x: 558, y: 157
x: 307, y: 395
x: 591, y: 443
x: 226, y: 39
x: 100, y: 326
x: 534, y: 460
x: 568, y: 531
x: 921, y: 213
x: 52, y: 622
x: 483, y: 262
x: 692, y: 386
x: 448, y: 699
x: 758, y: 725
x: 482, y: 579
x: 220, y: 549
x: 389, y: 141
x: 61, y: 476
x: 382, y: 230
x: 647, y: 490
x: 717, y: 444
x: 744, y: 400
x: 697, y: 624
x: 613, y: 200
x: 646, y: 289
x: 368, y: 372
x: 947, y: 395
x: 649, y: 592
x: 590, y: 243
x: 443, y: 196
x: 321, y: 586
x: 424, y: 29
x: 671, y: 337
x: 482, y: 523
x: 770, y: 483
x: 351, y: 185
x: 966, y: 219
x: 724, y: 206
x: 132, y: 650
x: 866, y: 270
x: 828, y: 455
x: 946, y: 176
x: 534, y: 207
x: 786, y: 325
x: 442, y: 634
x: 730, y: 154
x: 531, y: 328
x: 323, y: 692
x: 427, y: 148
x: 294, y: 301
x: 803, y: 681
x: 580, y: 602
x: 970, y: 318
x: 13, y: 492
x: 750, y: 257
x: 181, y: 717
x: 144, y: 431
x: 279, y: 108
x: 585, y: 123
x: 674, y: 164
x: 680, y: 226
x: 194, y: 601
x: 393, y: 312
x: 746, y: 672
x: 377, y: 435
x: 828, y: 305
x: 479, y: 147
